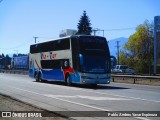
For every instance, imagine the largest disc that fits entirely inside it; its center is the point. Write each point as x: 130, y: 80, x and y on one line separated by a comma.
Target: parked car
x: 123, y: 69
x: 130, y: 70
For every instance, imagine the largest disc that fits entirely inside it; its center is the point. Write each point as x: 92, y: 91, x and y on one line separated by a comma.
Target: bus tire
x: 36, y: 77
x: 94, y: 85
x: 39, y: 77
x: 68, y: 80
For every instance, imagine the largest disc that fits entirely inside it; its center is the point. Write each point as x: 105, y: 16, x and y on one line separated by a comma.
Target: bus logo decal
x: 69, y: 70
x: 43, y: 56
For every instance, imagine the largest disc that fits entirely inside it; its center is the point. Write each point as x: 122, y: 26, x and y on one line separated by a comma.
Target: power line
x: 18, y: 46
x: 117, y: 29
x: 94, y: 30
x: 120, y: 29
x: 25, y: 43
x: 45, y: 37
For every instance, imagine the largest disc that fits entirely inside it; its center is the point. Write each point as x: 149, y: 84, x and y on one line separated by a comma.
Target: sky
x: 21, y: 20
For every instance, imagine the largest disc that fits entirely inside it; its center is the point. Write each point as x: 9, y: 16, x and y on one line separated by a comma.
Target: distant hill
x: 113, y: 43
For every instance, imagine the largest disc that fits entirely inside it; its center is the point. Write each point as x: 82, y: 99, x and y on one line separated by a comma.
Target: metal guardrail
x: 24, y: 72
x: 136, y: 79
x: 137, y: 76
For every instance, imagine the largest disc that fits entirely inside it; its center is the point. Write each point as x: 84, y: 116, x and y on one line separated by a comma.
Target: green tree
x: 84, y: 25
x: 14, y: 55
x: 139, y: 48
x: 2, y: 55
x: 2, y: 60
x: 7, y: 61
x: 123, y: 57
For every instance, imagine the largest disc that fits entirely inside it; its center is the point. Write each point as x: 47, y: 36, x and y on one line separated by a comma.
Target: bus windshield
x: 96, y: 56
x: 93, y: 44
x: 98, y: 64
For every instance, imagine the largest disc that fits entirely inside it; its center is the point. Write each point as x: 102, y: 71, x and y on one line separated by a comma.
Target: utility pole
x: 96, y: 29
x: 35, y: 38
x: 118, y: 51
x: 94, y: 32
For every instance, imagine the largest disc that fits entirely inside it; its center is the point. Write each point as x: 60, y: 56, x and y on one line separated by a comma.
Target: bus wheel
x: 94, y: 85
x: 68, y: 80
x: 39, y: 77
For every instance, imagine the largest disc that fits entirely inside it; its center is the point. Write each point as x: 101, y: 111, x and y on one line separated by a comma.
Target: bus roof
x: 82, y: 35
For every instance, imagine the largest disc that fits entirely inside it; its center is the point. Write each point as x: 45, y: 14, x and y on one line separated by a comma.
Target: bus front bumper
x: 95, y: 79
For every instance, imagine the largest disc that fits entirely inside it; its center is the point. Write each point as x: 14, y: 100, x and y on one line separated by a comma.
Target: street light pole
x: 96, y: 29
x: 156, y: 40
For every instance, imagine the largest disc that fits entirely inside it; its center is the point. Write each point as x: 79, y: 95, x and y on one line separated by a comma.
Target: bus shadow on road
x: 107, y: 87
x: 98, y: 87
x: 110, y: 87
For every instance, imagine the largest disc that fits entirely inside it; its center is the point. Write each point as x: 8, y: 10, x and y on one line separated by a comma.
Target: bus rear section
x: 77, y: 59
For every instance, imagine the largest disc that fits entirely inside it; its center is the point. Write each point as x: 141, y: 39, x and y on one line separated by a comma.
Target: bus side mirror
x: 81, y: 59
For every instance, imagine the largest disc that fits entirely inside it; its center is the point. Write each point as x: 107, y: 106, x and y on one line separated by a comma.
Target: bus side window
x: 75, y: 52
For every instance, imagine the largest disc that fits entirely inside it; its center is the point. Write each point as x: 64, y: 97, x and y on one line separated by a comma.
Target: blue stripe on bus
x: 75, y: 78
x: 54, y: 74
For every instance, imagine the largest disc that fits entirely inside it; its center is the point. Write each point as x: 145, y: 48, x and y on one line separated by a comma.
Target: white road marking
x: 85, y: 97
x: 57, y: 96
x: 100, y: 98
x: 62, y: 99
x: 141, y: 118
x: 135, y: 98
x: 80, y: 89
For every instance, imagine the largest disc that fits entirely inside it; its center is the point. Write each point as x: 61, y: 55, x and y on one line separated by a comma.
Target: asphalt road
x: 58, y: 97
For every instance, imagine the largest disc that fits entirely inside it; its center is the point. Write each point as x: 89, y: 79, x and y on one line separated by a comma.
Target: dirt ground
x: 10, y: 104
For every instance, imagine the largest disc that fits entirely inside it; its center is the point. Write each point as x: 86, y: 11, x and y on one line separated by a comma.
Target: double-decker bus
x: 81, y: 59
